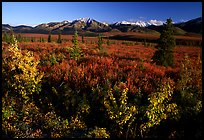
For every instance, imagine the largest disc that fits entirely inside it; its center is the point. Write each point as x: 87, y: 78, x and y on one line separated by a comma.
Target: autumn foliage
x: 73, y: 90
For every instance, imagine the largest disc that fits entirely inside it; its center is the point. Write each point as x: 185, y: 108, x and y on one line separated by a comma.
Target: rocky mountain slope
x: 91, y: 25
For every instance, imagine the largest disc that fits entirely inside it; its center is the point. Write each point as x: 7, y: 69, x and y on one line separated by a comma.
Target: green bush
x: 8, y: 37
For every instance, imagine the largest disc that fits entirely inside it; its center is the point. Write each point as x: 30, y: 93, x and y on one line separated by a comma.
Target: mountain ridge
x: 92, y: 25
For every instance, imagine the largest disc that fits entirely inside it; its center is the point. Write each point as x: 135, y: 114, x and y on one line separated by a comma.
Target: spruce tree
x: 75, y: 51
x: 82, y: 38
x: 43, y: 39
x: 19, y: 38
x: 75, y: 40
x: 40, y: 39
x: 5, y: 37
x: 32, y: 39
x: 49, y: 38
x: 108, y: 42
x: 59, y: 40
x: 164, y: 54
x: 100, y: 42
x: 11, y: 38
x: 28, y: 39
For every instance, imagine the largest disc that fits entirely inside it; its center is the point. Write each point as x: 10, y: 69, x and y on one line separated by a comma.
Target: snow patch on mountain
x: 66, y: 21
x: 89, y: 20
x: 105, y: 23
x: 155, y: 22
x: 86, y: 20
x: 141, y: 23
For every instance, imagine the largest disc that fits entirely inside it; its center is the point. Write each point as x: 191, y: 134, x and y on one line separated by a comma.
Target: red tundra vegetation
x: 113, y: 92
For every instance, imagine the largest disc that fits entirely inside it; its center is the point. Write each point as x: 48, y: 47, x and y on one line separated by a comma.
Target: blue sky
x: 33, y: 13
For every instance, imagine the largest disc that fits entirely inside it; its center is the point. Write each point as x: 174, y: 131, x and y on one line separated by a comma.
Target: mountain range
x: 91, y: 25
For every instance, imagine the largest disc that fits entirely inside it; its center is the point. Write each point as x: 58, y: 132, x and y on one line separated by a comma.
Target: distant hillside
x: 194, y: 25
x: 177, y: 30
x: 6, y: 27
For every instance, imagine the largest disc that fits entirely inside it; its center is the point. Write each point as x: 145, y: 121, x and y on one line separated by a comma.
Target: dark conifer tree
x: 164, y: 54
x: 100, y: 42
x: 5, y: 37
x: 75, y: 40
x: 49, y: 38
x: 82, y: 39
x: 108, y: 42
x: 59, y: 40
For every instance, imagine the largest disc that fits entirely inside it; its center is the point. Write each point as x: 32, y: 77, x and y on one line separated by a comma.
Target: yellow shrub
x: 190, y: 85
x: 98, y: 133
x: 20, y: 79
x: 22, y: 73
x: 119, y: 110
x: 160, y: 107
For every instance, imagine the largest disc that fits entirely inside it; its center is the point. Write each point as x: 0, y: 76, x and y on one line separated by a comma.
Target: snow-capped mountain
x: 140, y: 23
x: 92, y: 25
x: 83, y: 20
